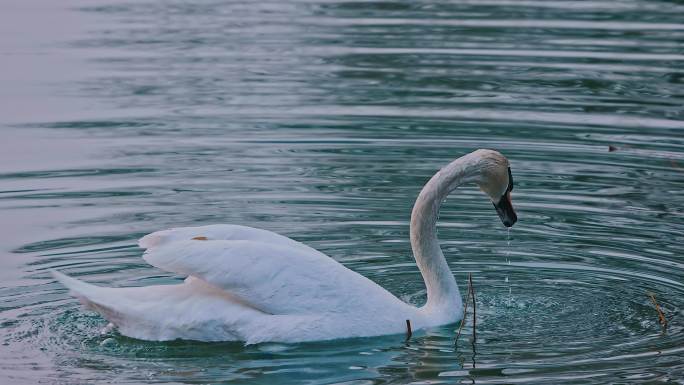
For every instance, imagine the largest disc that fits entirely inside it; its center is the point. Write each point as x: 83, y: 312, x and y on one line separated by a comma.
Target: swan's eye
x: 510, y: 180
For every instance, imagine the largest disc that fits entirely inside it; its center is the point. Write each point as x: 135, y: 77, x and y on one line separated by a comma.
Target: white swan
x: 252, y: 285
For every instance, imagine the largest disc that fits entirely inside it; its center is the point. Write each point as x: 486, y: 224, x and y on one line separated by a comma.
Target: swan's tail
x: 76, y: 287
x: 100, y: 299
x: 191, y: 310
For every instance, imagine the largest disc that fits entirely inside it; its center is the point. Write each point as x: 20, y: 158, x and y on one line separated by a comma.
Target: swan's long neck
x: 442, y: 291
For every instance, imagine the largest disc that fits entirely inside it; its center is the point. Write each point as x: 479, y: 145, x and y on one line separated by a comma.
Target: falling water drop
x: 508, y: 245
x: 508, y: 261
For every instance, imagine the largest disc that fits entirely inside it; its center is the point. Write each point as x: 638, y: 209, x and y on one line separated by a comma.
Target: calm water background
x: 322, y: 120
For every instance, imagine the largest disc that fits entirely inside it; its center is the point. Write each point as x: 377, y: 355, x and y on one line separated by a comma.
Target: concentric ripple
x: 322, y: 120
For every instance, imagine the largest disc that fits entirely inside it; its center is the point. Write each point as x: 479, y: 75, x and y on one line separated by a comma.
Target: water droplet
x: 508, y: 262
x: 107, y: 329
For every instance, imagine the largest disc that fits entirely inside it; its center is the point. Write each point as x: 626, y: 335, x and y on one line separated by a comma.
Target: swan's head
x: 496, y: 181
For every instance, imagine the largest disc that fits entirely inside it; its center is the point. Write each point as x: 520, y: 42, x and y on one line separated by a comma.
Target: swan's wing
x: 273, y: 273
x: 217, y: 232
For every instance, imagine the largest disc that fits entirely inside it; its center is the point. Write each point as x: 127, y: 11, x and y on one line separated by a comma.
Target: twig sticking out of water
x: 470, y: 294
x: 661, y: 317
x: 409, y: 333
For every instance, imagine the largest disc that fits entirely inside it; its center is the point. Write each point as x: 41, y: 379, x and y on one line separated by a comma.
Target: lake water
x: 322, y: 120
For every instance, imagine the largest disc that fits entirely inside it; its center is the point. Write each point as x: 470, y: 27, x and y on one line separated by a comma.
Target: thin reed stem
x: 465, y: 309
x: 471, y: 288
x: 409, y: 332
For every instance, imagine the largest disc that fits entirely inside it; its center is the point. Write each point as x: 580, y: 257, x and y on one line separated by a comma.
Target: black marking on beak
x: 504, y: 207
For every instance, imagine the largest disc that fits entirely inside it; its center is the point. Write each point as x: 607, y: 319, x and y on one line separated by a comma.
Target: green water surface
x: 322, y: 120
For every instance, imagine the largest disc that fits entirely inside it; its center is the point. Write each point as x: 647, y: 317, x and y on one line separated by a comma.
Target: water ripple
x: 322, y: 119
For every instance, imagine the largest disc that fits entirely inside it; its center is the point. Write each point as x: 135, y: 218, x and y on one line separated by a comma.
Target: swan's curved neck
x: 442, y: 291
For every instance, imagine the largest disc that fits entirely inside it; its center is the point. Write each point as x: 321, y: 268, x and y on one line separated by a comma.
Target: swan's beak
x: 504, y: 207
x: 505, y: 210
